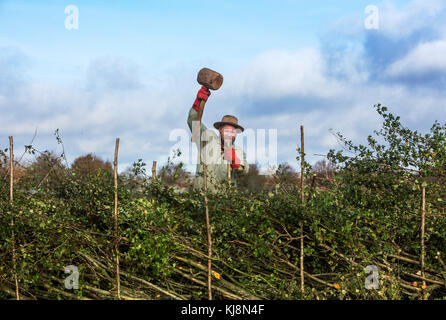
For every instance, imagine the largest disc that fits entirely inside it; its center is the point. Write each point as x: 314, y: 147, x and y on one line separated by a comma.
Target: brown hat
x: 228, y: 119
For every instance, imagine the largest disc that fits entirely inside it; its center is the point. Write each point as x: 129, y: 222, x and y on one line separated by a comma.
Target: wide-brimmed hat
x: 228, y: 119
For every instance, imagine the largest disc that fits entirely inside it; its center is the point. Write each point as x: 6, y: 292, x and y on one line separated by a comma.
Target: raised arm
x: 203, y: 94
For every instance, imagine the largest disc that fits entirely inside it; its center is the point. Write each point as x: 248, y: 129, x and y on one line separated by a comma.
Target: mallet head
x: 210, y: 79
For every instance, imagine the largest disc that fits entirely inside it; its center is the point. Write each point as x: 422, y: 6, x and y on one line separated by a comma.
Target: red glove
x: 203, y: 94
x: 230, y: 155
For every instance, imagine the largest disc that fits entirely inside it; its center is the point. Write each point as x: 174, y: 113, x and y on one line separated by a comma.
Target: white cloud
x: 90, y: 119
x: 417, y: 14
x: 94, y: 144
x: 394, y: 22
x: 426, y: 57
x: 276, y: 74
x: 113, y: 73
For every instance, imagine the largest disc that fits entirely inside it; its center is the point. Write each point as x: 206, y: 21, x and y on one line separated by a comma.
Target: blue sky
x: 130, y: 70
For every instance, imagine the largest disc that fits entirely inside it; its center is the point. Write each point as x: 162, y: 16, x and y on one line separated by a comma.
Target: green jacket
x: 213, y: 157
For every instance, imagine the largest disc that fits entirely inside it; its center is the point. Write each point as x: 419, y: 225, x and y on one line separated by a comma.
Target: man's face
x: 227, y: 132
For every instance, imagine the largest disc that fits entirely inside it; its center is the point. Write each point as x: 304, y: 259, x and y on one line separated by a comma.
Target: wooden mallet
x: 211, y: 80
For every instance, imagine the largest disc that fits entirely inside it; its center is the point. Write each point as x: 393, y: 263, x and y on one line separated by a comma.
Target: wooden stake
x: 423, y: 223
x: 229, y: 174
x: 208, y: 227
x: 11, y: 199
x: 302, y: 197
x: 118, y: 282
x: 154, y: 171
x: 228, y: 144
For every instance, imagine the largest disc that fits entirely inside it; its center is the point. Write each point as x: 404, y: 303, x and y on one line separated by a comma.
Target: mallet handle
x: 199, y: 116
x: 200, y: 110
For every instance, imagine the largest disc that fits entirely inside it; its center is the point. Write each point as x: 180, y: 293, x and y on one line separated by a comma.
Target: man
x: 217, y: 151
